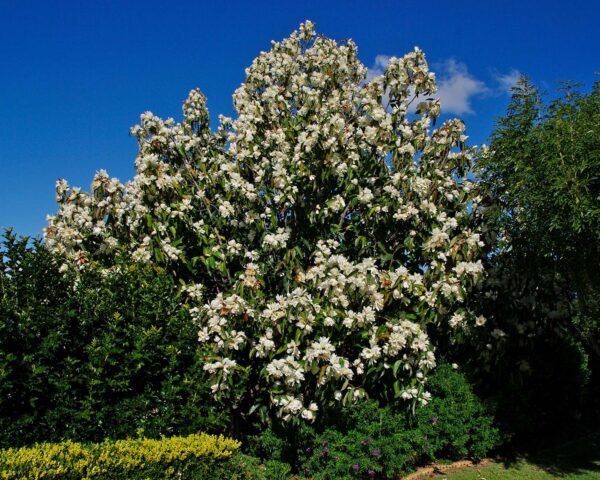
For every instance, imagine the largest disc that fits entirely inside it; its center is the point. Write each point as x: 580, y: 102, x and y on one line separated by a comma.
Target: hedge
x: 93, y: 356
x: 199, y: 456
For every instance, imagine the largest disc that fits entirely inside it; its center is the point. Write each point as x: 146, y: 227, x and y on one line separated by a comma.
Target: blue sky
x: 75, y: 75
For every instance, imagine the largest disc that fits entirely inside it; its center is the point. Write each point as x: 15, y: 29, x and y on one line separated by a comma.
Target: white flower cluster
x: 316, y: 235
x: 276, y: 241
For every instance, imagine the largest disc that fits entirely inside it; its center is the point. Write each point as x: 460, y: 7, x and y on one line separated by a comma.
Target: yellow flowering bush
x: 195, y: 456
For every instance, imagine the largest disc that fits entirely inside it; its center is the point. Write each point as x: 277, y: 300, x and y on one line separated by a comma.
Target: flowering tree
x: 318, y: 236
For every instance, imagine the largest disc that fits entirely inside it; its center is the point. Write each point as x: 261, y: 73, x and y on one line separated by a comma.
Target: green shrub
x: 96, y: 356
x: 462, y: 424
x: 386, y: 440
x: 194, y: 457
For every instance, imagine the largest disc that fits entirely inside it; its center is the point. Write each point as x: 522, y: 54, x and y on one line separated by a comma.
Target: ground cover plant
x: 367, y: 440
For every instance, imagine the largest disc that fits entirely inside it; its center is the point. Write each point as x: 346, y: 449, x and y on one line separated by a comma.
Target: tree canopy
x: 543, y: 174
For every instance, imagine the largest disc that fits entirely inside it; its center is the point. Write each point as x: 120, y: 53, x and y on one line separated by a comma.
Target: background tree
x: 542, y: 177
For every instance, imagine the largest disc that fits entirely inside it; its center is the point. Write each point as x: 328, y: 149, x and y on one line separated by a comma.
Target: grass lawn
x: 578, y: 460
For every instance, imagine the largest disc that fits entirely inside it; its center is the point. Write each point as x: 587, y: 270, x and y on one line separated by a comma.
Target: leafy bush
x: 463, y: 424
x: 194, y: 457
x: 367, y: 440
x: 95, y: 355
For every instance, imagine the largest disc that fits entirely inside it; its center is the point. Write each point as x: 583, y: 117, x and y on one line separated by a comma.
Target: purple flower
x: 434, y: 419
x: 308, y: 450
x: 376, y: 452
x: 371, y: 472
x: 356, y: 467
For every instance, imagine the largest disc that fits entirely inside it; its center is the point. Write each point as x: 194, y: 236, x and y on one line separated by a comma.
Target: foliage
x: 544, y: 172
x: 99, y: 354
x: 540, y: 386
x: 541, y: 180
x: 193, y: 457
x: 315, y: 251
x: 365, y: 437
x: 318, y: 236
x: 543, y: 184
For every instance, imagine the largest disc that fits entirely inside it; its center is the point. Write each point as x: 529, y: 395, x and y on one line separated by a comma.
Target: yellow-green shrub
x: 195, y: 456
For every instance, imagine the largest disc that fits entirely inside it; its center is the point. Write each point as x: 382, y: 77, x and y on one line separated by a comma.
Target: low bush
x: 367, y: 440
x: 199, y: 457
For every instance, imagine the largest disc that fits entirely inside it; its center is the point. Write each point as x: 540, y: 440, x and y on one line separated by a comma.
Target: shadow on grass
x: 575, y: 457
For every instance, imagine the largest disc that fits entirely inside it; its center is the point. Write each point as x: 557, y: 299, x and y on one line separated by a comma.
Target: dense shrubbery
x: 194, y: 457
x: 95, y: 355
x: 349, y: 442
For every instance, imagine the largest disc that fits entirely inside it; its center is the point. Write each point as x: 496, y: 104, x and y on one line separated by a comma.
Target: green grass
x: 578, y: 460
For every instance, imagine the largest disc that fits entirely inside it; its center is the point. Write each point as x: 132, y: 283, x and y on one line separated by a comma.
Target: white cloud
x: 507, y: 81
x: 378, y: 67
x: 457, y: 87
